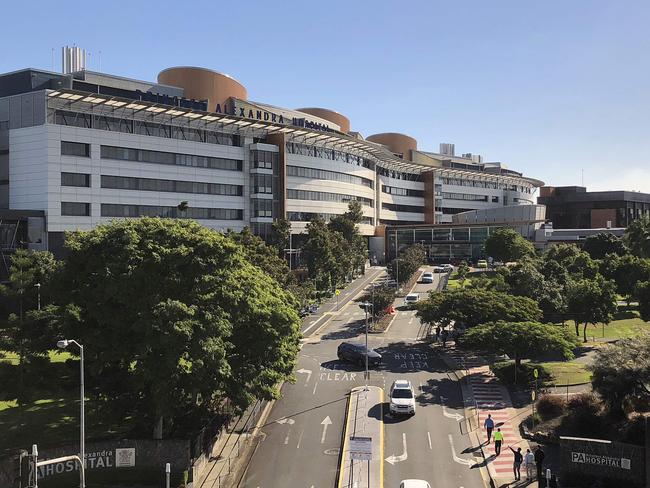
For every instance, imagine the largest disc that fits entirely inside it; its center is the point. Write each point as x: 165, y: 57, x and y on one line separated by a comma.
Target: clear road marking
x: 338, y: 376
x: 459, y: 460
x: 455, y: 416
x: 300, y: 438
x: 307, y: 372
x: 315, y: 386
x: 326, y: 421
x: 286, y: 439
x: 429, y: 438
x: 402, y: 457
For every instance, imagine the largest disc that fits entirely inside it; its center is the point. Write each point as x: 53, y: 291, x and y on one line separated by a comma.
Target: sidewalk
x: 363, y: 419
x: 489, y: 396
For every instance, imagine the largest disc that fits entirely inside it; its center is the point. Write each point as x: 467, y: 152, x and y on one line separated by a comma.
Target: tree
x: 174, y: 319
x: 462, y: 272
x: 408, y: 263
x: 319, y: 253
x: 520, y: 340
x: 508, y: 245
x: 621, y: 372
x: 627, y: 271
x: 603, y: 243
x: 382, y: 298
x: 591, y: 302
x: 525, y: 279
x: 346, y: 225
x: 280, y: 235
x: 566, y: 261
x: 643, y: 295
x: 637, y: 237
x: 471, y: 307
x: 494, y: 282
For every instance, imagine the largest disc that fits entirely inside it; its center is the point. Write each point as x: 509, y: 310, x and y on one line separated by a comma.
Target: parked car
x: 414, y: 484
x: 356, y: 353
x: 402, y: 397
x: 411, y: 299
x: 482, y: 264
x: 427, y: 277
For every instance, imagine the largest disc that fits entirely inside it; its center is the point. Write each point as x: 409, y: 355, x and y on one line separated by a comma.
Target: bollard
x: 168, y: 470
x: 548, y: 478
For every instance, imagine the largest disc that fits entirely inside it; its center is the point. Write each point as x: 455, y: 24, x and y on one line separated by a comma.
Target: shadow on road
x: 382, y: 411
x: 285, y: 418
x: 347, y: 331
x: 402, y: 357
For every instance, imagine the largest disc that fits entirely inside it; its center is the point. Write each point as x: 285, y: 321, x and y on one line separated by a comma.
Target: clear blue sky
x: 550, y: 87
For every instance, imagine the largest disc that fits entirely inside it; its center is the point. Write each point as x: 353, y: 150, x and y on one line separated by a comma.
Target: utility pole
x: 396, y: 262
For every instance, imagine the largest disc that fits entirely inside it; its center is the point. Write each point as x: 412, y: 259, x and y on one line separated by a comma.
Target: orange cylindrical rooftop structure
x: 203, y: 84
x: 396, y: 142
x: 324, y: 113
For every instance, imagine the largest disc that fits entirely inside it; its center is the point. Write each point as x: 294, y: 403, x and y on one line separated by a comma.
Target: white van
x: 411, y: 299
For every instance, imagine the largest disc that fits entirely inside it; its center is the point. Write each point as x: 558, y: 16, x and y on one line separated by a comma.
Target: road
x: 302, y: 436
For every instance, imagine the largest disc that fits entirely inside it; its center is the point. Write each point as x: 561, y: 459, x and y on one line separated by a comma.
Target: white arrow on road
x: 454, y: 416
x: 326, y: 421
x: 402, y: 457
x: 307, y: 372
x: 459, y: 460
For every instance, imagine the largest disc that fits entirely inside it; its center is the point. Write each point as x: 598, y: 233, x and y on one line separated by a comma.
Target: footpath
x: 485, y: 395
x: 364, y: 427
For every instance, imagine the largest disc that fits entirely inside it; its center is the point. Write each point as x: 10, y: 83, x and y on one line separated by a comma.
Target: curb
x: 344, y: 440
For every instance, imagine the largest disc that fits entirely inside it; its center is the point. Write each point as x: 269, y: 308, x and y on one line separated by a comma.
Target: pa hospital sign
x: 597, y: 459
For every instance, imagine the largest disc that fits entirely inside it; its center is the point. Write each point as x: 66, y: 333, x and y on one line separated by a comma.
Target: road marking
x: 285, y: 420
x: 455, y: 416
x: 410, y: 320
x: 402, y: 457
x: 429, y: 438
x: 307, y: 372
x: 300, y: 438
x: 286, y: 439
x: 326, y: 421
x: 315, y: 386
x: 465, y: 462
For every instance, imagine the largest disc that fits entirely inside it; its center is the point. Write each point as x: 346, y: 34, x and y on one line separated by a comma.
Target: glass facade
x: 159, y: 157
x: 174, y: 186
x: 118, y: 210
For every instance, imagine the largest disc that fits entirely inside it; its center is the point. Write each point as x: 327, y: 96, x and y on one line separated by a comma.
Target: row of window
x: 493, y: 185
x: 325, y: 153
x: 264, y: 159
x: 465, y: 196
x: 398, y: 175
x: 323, y: 174
x: 261, y: 183
x: 118, y: 210
x: 175, y: 186
x: 159, y: 157
x: 326, y: 197
x: 405, y: 192
x: 75, y: 149
x: 113, y: 124
x: 402, y: 208
x: 309, y: 216
x: 262, y: 207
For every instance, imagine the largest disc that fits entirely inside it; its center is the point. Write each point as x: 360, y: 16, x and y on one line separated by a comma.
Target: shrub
x: 584, y: 419
x: 505, y: 371
x: 551, y: 406
x: 584, y: 404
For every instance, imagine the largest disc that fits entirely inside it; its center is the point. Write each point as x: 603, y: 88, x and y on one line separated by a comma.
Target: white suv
x: 411, y: 299
x: 402, y: 397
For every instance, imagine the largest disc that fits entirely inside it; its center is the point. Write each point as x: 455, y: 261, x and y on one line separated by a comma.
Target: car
x: 414, y: 484
x: 402, y: 398
x: 439, y: 269
x: 482, y: 263
x: 447, y: 267
x: 411, y: 299
x: 427, y: 277
x: 356, y: 353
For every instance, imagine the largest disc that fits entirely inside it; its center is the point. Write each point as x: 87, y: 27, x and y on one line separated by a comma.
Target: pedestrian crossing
x: 490, y: 397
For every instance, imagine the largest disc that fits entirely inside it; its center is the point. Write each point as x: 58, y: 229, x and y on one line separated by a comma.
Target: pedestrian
x: 516, y: 465
x: 529, y: 463
x: 445, y: 334
x: 539, y: 460
x: 437, y: 333
x: 489, y: 426
x: 498, y: 440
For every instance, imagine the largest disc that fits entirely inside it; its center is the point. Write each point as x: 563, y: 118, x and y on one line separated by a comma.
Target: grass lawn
x: 563, y: 372
x: 617, y: 329
x: 55, y: 355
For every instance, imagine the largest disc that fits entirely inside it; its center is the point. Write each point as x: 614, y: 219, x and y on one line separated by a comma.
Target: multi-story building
x: 573, y: 207
x: 84, y: 148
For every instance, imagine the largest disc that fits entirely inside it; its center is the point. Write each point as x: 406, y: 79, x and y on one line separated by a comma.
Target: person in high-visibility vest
x: 498, y: 440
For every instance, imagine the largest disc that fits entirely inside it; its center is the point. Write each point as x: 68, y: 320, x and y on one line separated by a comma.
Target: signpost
x: 337, y: 293
x: 361, y: 448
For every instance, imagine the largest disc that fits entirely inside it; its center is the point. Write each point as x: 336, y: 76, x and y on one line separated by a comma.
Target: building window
x: 75, y: 179
x: 326, y: 197
x: 75, y: 209
x: 174, y: 186
x: 159, y: 157
x: 75, y: 149
x: 264, y: 159
x: 495, y: 199
x: 262, y: 208
x: 116, y: 210
x: 464, y: 196
x: 404, y: 192
x: 402, y: 208
x: 309, y: 216
x: 261, y: 183
x: 322, y: 174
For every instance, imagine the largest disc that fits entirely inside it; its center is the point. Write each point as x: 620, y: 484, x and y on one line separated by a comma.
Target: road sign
x: 535, y: 373
x: 361, y: 448
x: 532, y: 395
x: 337, y: 292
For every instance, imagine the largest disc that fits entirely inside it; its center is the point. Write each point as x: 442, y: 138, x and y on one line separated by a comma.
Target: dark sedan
x: 356, y: 353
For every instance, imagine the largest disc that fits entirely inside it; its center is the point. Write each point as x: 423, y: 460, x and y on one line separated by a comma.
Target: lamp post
x: 63, y: 344
x: 366, y: 306
x: 38, y: 295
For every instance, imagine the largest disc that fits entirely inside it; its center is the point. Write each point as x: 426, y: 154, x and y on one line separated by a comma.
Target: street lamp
x: 366, y: 306
x: 38, y: 294
x: 63, y: 344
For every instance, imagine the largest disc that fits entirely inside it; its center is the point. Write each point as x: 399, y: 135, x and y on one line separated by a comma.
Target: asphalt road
x: 302, y: 435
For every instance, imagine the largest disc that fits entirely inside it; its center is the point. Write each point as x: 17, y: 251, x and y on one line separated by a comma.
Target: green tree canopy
x: 280, y: 235
x: 621, y: 372
x: 408, y: 263
x: 563, y: 262
x: 627, y: 271
x: 471, y: 307
x: 174, y: 319
x: 591, y: 302
x: 520, y: 340
x: 526, y: 280
x: 637, y: 237
x: 382, y: 298
x: 603, y: 243
x: 508, y: 245
x: 643, y: 295
x: 319, y: 253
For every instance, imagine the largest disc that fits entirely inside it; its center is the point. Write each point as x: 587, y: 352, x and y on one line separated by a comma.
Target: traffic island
x: 362, y: 453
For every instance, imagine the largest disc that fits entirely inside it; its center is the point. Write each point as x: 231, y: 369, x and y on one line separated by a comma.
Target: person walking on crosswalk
x: 529, y: 463
x: 498, y: 440
x: 489, y: 427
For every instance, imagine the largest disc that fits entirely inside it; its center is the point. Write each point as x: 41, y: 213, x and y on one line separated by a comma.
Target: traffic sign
x: 361, y: 448
x: 337, y: 292
x: 535, y: 373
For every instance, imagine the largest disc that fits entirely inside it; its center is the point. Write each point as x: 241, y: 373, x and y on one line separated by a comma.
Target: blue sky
x: 550, y: 88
